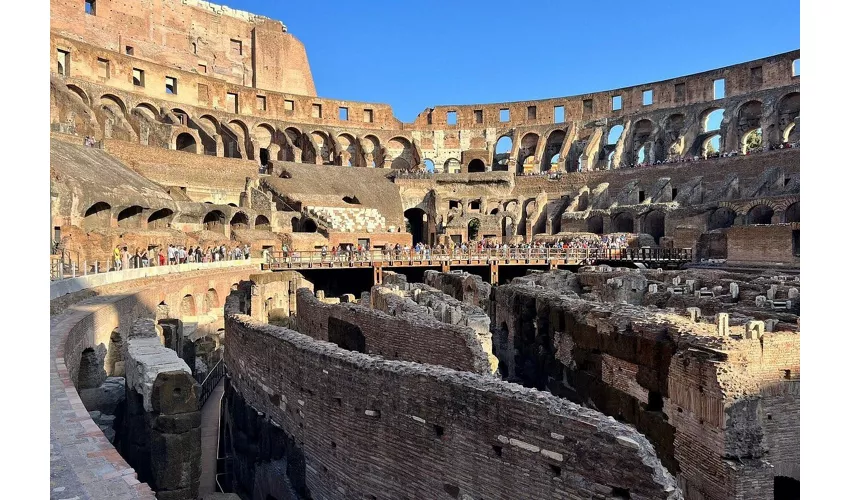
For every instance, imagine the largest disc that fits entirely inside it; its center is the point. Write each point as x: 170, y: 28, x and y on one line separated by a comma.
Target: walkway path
x: 209, y: 440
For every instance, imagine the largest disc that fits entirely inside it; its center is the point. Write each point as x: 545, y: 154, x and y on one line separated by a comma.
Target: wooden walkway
x: 209, y: 440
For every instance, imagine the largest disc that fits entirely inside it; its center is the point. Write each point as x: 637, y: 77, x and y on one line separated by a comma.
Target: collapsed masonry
x: 697, y: 361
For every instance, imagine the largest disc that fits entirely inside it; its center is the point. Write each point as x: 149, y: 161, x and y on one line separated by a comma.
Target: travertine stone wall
x: 463, y: 286
x: 329, y: 404
x: 410, y: 337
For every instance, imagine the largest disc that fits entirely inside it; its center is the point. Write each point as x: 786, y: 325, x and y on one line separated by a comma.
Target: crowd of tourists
x: 123, y: 258
x: 715, y: 155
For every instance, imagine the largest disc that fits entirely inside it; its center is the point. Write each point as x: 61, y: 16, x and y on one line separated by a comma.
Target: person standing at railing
x: 125, y: 258
x: 116, y: 258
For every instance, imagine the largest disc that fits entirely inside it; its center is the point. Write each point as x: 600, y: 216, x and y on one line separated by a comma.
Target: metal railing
x: 212, y: 379
x: 279, y: 259
x: 69, y: 265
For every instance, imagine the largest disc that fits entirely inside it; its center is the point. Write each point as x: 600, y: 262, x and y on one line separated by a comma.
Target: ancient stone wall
x: 234, y: 46
x: 272, y: 295
x: 463, y: 286
x: 518, y: 443
x: 410, y: 337
x: 760, y: 245
x: 698, y: 395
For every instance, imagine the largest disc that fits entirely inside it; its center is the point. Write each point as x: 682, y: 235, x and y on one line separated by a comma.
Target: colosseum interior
x: 258, y: 293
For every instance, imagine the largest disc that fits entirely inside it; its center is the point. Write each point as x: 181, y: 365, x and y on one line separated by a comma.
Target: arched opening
x: 351, y: 200
x: 792, y: 213
x: 262, y: 222
x: 214, y: 221
x: 323, y: 147
x: 400, y: 164
x: 752, y: 141
x: 614, y: 134
x: 97, y: 216
x: 476, y: 165
x: 653, y: 224
x: 429, y: 165
x: 789, y: 112
x: 711, y: 120
x: 642, y: 156
x: 503, y: 152
x: 309, y: 226
x: 416, y: 224
x: 160, y: 218
x: 130, y: 217
x: 264, y: 157
x: 401, y: 151
x: 721, y: 218
x: 749, y: 119
x: 294, y: 223
x: 711, y: 146
x: 347, y: 147
x: 239, y: 221
x: 186, y: 143
x: 211, y: 300
x: 371, y: 147
x: 623, y: 222
x: 508, y: 226
x: 760, y: 214
x: 90, y: 372
x: 594, y: 224
x: 527, y: 149
x: 583, y: 201
x: 472, y: 230
x: 187, y: 306
x: 609, y: 162
x: 552, y: 151
x: 80, y: 92
x: 452, y: 166
x: 346, y: 335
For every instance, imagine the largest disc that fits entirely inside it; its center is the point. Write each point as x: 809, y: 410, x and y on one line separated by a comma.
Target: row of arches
x: 99, y: 216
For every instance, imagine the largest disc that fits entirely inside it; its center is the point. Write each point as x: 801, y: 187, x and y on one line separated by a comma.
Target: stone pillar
x: 793, y: 293
x: 653, y: 288
x: 754, y: 330
x: 723, y: 324
x: 734, y: 290
x: 694, y: 313
x: 761, y: 300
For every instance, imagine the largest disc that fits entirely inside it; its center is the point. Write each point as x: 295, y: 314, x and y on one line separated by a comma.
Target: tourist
x: 125, y: 258
x: 116, y: 258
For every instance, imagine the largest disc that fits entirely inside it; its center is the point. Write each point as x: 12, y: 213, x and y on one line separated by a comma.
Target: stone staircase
x: 348, y: 220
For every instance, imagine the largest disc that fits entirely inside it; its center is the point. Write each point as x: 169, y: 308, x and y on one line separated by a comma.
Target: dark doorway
x: 476, y: 166
x: 594, y: 224
x: 792, y: 213
x: 721, y: 218
x: 623, y: 223
x: 795, y: 242
x: 760, y: 214
x: 416, y: 226
x: 786, y: 488
x: 653, y: 224
x: 346, y: 335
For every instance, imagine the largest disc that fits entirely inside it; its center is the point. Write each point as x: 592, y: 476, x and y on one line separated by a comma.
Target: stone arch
x: 711, y: 119
x: 527, y: 149
x: 653, y: 224
x: 264, y: 135
x: 187, y: 306
x: 160, y: 219
x: 473, y: 229
x: 749, y: 119
x: 429, y: 165
x: 614, y: 134
x: 721, y: 218
x: 711, y: 146
x: 309, y: 226
x: 452, y: 166
x: 240, y: 221
x: 80, y: 92
x: 792, y: 212
x: 371, y: 146
x: 294, y: 145
x: 97, y: 216
x: 552, y: 150
x: 760, y: 214
x: 211, y: 300
x: 241, y: 139
x: 324, y: 147
x: 347, y: 150
x: 400, y: 150
x: 476, y: 165
x: 130, y: 217
x: 673, y: 141
x: 788, y: 114
x: 595, y: 224
x: 148, y: 110
x: 185, y: 142
x: 641, y: 141
x: 502, y: 153
x: 262, y: 222
x: 214, y: 221
x: 623, y: 222
x: 112, y: 100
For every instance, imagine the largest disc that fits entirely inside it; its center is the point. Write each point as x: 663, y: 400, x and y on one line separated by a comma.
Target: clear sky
x: 418, y: 54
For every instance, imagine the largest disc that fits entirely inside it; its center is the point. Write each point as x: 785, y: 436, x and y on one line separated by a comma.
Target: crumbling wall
x: 272, y: 295
x: 330, y: 404
x: 161, y: 435
x: 406, y: 336
x: 699, y: 392
x: 469, y: 288
x: 419, y: 299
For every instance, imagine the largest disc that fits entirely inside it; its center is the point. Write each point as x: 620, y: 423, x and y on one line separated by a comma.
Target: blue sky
x: 417, y: 54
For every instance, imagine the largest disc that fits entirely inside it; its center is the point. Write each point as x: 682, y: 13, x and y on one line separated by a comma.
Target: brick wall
x: 406, y: 337
x: 761, y: 244
x: 366, y: 426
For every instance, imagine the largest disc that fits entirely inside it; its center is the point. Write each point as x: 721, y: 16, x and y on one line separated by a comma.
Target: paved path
x: 209, y: 440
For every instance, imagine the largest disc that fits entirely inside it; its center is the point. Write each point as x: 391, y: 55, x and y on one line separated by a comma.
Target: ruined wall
x: 463, y: 286
x: 518, y: 443
x: 409, y: 337
x: 231, y: 45
x: 272, y: 295
x: 697, y: 395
